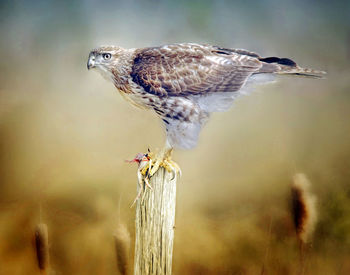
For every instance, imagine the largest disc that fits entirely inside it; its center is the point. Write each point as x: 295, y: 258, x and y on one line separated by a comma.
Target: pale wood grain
x: 155, y: 223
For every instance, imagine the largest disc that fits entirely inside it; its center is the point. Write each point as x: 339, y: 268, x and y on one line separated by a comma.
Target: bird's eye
x: 106, y: 56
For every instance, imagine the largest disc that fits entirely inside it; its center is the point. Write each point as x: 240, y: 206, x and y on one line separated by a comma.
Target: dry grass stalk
x: 303, y: 208
x: 122, y: 242
x: 263, y: 269
x: 42, y: 247
x: 304, y: 214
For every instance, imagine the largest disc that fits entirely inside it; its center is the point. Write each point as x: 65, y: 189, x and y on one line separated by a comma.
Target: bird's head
x: 104, y: 56
x: 106, y: 60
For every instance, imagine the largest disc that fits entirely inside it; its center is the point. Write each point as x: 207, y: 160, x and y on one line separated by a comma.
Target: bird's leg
x: 169, y: 165
x: 149, y: 164
x: 162, y: 159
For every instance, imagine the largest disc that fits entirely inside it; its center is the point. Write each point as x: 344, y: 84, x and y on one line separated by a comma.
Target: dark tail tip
x: 281, y: 61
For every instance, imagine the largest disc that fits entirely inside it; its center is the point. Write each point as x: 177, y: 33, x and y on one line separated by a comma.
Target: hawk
x: 184, y: 83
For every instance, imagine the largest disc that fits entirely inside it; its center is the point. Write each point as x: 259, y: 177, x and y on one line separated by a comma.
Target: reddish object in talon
x: 139, y: 157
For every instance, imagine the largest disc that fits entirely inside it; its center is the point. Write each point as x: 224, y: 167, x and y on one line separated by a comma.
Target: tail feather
x: 286, y: 66
x: 306, y: 72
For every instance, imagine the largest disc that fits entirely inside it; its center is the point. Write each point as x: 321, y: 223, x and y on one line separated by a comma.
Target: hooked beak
x: 91, y: 62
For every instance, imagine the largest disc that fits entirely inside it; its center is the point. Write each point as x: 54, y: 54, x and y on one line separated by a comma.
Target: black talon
x: 174, y: 175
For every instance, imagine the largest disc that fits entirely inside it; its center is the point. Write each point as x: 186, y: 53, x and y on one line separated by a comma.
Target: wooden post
x: 155, y: 221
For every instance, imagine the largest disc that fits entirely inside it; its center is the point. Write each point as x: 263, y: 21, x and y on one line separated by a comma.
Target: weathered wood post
x: 155, y: 222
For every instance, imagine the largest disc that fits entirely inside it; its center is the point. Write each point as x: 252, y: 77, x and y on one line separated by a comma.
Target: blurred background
x: 65, y: 134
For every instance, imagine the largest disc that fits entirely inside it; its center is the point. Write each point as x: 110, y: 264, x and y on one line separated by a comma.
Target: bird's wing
x: 191, y: 69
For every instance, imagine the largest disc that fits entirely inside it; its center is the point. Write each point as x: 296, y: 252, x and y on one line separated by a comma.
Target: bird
x: 184, y: 83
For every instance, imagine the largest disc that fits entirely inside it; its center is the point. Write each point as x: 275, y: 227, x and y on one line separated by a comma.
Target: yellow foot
x: 148, y: 165
x: 162, y: 159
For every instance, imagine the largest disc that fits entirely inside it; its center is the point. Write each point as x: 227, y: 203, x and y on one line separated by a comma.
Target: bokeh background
x: 65, y: 134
